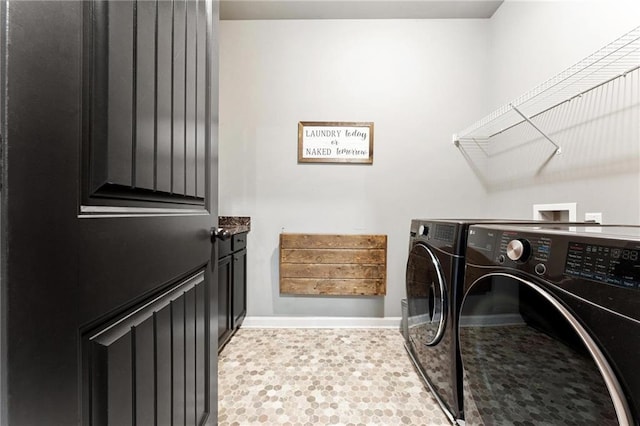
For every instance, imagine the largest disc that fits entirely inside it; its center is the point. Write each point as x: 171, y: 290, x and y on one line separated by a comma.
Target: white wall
x: 416, y: 80
x: 531, y: 41
x: 419, y: 82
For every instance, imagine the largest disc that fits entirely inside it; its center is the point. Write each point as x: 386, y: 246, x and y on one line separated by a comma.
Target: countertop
x: 235, y: 224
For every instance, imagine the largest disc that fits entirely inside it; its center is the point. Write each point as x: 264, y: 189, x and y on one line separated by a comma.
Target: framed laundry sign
x: 335, y: 142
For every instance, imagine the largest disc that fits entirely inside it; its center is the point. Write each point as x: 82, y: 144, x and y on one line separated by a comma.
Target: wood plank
x: 327, y: 241
x: 327, y: 264
x: 342, y: 287
x: 298, y: 270
x: 360, y: 256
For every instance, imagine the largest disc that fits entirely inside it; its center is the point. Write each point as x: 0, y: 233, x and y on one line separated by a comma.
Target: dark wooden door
x: 109, y: 189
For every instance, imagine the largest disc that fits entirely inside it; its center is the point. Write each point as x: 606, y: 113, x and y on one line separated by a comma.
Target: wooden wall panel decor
x: 337, y: 265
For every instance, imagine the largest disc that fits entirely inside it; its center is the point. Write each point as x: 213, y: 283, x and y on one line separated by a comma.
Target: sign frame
x: 335, y: 142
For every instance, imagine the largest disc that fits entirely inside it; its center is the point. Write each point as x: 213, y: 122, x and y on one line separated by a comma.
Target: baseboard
x: 320, y: 322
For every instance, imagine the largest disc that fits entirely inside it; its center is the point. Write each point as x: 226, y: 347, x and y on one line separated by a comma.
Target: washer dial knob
x: 518, y: 250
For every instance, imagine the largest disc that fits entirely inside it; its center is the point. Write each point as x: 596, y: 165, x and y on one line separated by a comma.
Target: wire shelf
x: 613, y: 61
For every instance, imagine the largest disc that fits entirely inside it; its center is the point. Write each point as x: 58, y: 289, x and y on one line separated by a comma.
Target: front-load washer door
x: 430, y: 330
x: 426, y: 297
x: 527, y: 360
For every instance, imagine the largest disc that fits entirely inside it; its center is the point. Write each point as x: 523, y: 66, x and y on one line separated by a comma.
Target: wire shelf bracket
x: 528, y: 120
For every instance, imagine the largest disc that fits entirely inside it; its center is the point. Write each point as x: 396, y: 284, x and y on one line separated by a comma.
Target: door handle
x: 219, y: 233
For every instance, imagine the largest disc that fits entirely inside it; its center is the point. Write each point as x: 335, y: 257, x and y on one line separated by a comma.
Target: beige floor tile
x: 321, y: 377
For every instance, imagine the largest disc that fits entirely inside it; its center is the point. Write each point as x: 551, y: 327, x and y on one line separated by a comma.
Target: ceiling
x: 357, y: 9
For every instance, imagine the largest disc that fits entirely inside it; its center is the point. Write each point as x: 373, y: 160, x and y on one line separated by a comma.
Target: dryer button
x: 501, y: 258
x: 540, y: 269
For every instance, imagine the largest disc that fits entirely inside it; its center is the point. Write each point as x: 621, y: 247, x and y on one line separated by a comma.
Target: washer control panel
x: 608, y: 264
x: 518, y: 249
x: 530, y: 252
x: 553, y: 255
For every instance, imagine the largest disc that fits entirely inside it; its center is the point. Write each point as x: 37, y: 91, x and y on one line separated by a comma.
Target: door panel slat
x: 163, y: 365
x: 201, y: 355
x: 144, y: 373
x: 179, y: 36
x: 163, y: 94
x: 190, y: 356
x: 144, y: 96
x: 119, y: 386
x: 201, y: 69
x: 190, y: 98
x: 119, y: 161
x: 178, y: 386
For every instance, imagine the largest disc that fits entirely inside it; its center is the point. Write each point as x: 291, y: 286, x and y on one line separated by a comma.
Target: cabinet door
x: 239, y: 295
x: 224, y: 299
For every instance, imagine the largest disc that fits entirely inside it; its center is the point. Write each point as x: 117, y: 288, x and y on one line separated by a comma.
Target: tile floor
x: 321, y: 377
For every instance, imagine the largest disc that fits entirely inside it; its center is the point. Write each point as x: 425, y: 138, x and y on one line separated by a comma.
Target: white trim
x: 93, y: 212
x: 569, y: 207
x: 321, y: 322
